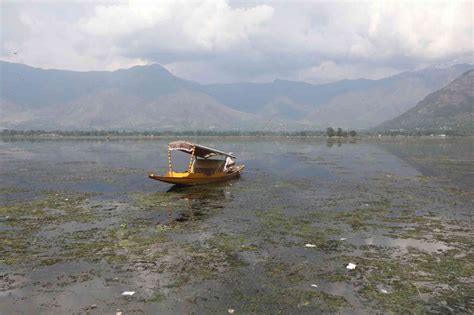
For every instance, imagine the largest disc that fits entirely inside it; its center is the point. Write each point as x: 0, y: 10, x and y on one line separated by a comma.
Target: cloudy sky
x: 229, y: 41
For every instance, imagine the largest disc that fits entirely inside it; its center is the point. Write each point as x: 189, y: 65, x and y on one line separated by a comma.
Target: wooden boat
x: 201, y: 169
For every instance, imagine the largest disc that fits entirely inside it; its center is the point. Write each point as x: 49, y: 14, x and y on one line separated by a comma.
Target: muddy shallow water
x: 80, y: 223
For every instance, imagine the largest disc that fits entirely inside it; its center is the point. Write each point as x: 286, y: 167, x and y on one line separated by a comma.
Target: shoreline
x: 357, y: 138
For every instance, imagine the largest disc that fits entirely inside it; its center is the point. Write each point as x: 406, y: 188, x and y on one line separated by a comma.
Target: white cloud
x: 207, y: 25
x: 125, y: 18
x: 429, y: 30
x: 217, y: 40
x: 215, y: 26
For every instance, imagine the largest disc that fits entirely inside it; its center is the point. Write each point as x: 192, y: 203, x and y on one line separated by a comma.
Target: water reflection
x: 198, y: 200
x: 451, y: 160
x: 339, y: 141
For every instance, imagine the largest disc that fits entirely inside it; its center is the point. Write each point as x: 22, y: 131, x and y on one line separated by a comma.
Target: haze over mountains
x: 150, y: 97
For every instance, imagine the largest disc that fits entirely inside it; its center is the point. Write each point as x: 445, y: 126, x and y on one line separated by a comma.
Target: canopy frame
x: 196, y: 149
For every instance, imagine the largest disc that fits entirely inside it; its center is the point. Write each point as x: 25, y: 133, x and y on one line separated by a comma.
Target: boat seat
x: 207, y: 166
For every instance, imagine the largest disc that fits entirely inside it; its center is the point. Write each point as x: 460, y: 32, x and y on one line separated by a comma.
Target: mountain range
x: 450, y: 108
x: 151, y: 98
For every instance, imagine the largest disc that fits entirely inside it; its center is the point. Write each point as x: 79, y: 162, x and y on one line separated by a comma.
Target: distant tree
x: 339, y: 132
x: 352, y: 133
x: 330, y: 132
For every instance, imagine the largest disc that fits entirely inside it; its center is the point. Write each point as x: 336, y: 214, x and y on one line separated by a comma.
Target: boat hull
x: 198, y: 178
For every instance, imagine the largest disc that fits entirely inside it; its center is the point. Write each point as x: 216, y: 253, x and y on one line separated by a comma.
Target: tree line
x: 330, y: 132
x: 126, y: 133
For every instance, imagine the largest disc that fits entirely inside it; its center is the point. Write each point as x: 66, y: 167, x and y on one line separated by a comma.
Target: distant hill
x: 34, y: 88
x: 449, y: 108
x: 198, y: 111
x: 142, y: 97
x: 383, y: 100
x: 150, y: 97
x: 252, y: 97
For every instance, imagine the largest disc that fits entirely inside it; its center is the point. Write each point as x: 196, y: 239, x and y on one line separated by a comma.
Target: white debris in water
x: 343, y: 239
x: 351, y: 266
x: 230, y: 311
x: 383, y: 291
x: 66, y: 199
x: 314, y: 285
x: 128, y: 293
x: 310, y: 245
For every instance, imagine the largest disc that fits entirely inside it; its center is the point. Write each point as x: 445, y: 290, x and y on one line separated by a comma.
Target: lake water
x: 80, y: 223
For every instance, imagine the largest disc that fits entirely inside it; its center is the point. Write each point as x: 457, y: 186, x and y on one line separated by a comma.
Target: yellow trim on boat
x: 177, y: 174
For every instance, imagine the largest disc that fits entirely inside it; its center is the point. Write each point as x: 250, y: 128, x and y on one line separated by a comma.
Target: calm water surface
x: 80, y: 223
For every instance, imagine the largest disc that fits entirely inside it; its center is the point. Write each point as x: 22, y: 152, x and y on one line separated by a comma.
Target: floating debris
x: 128, y: 293
x: 383, y: 291
x: 351, y: 266
x: 310, y: 245
x: 343, y: 239
x: 231, y: 311
x: 314, y: 285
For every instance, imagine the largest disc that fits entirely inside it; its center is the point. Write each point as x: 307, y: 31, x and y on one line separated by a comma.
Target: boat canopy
x: 199, y: 150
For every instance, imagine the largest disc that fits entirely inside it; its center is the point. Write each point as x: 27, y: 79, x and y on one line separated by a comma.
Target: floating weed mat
x: 22, y: 223
x: 415, y: 281
x: 424, y: 261
x: 406, y: 235
x: 67, y: 226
